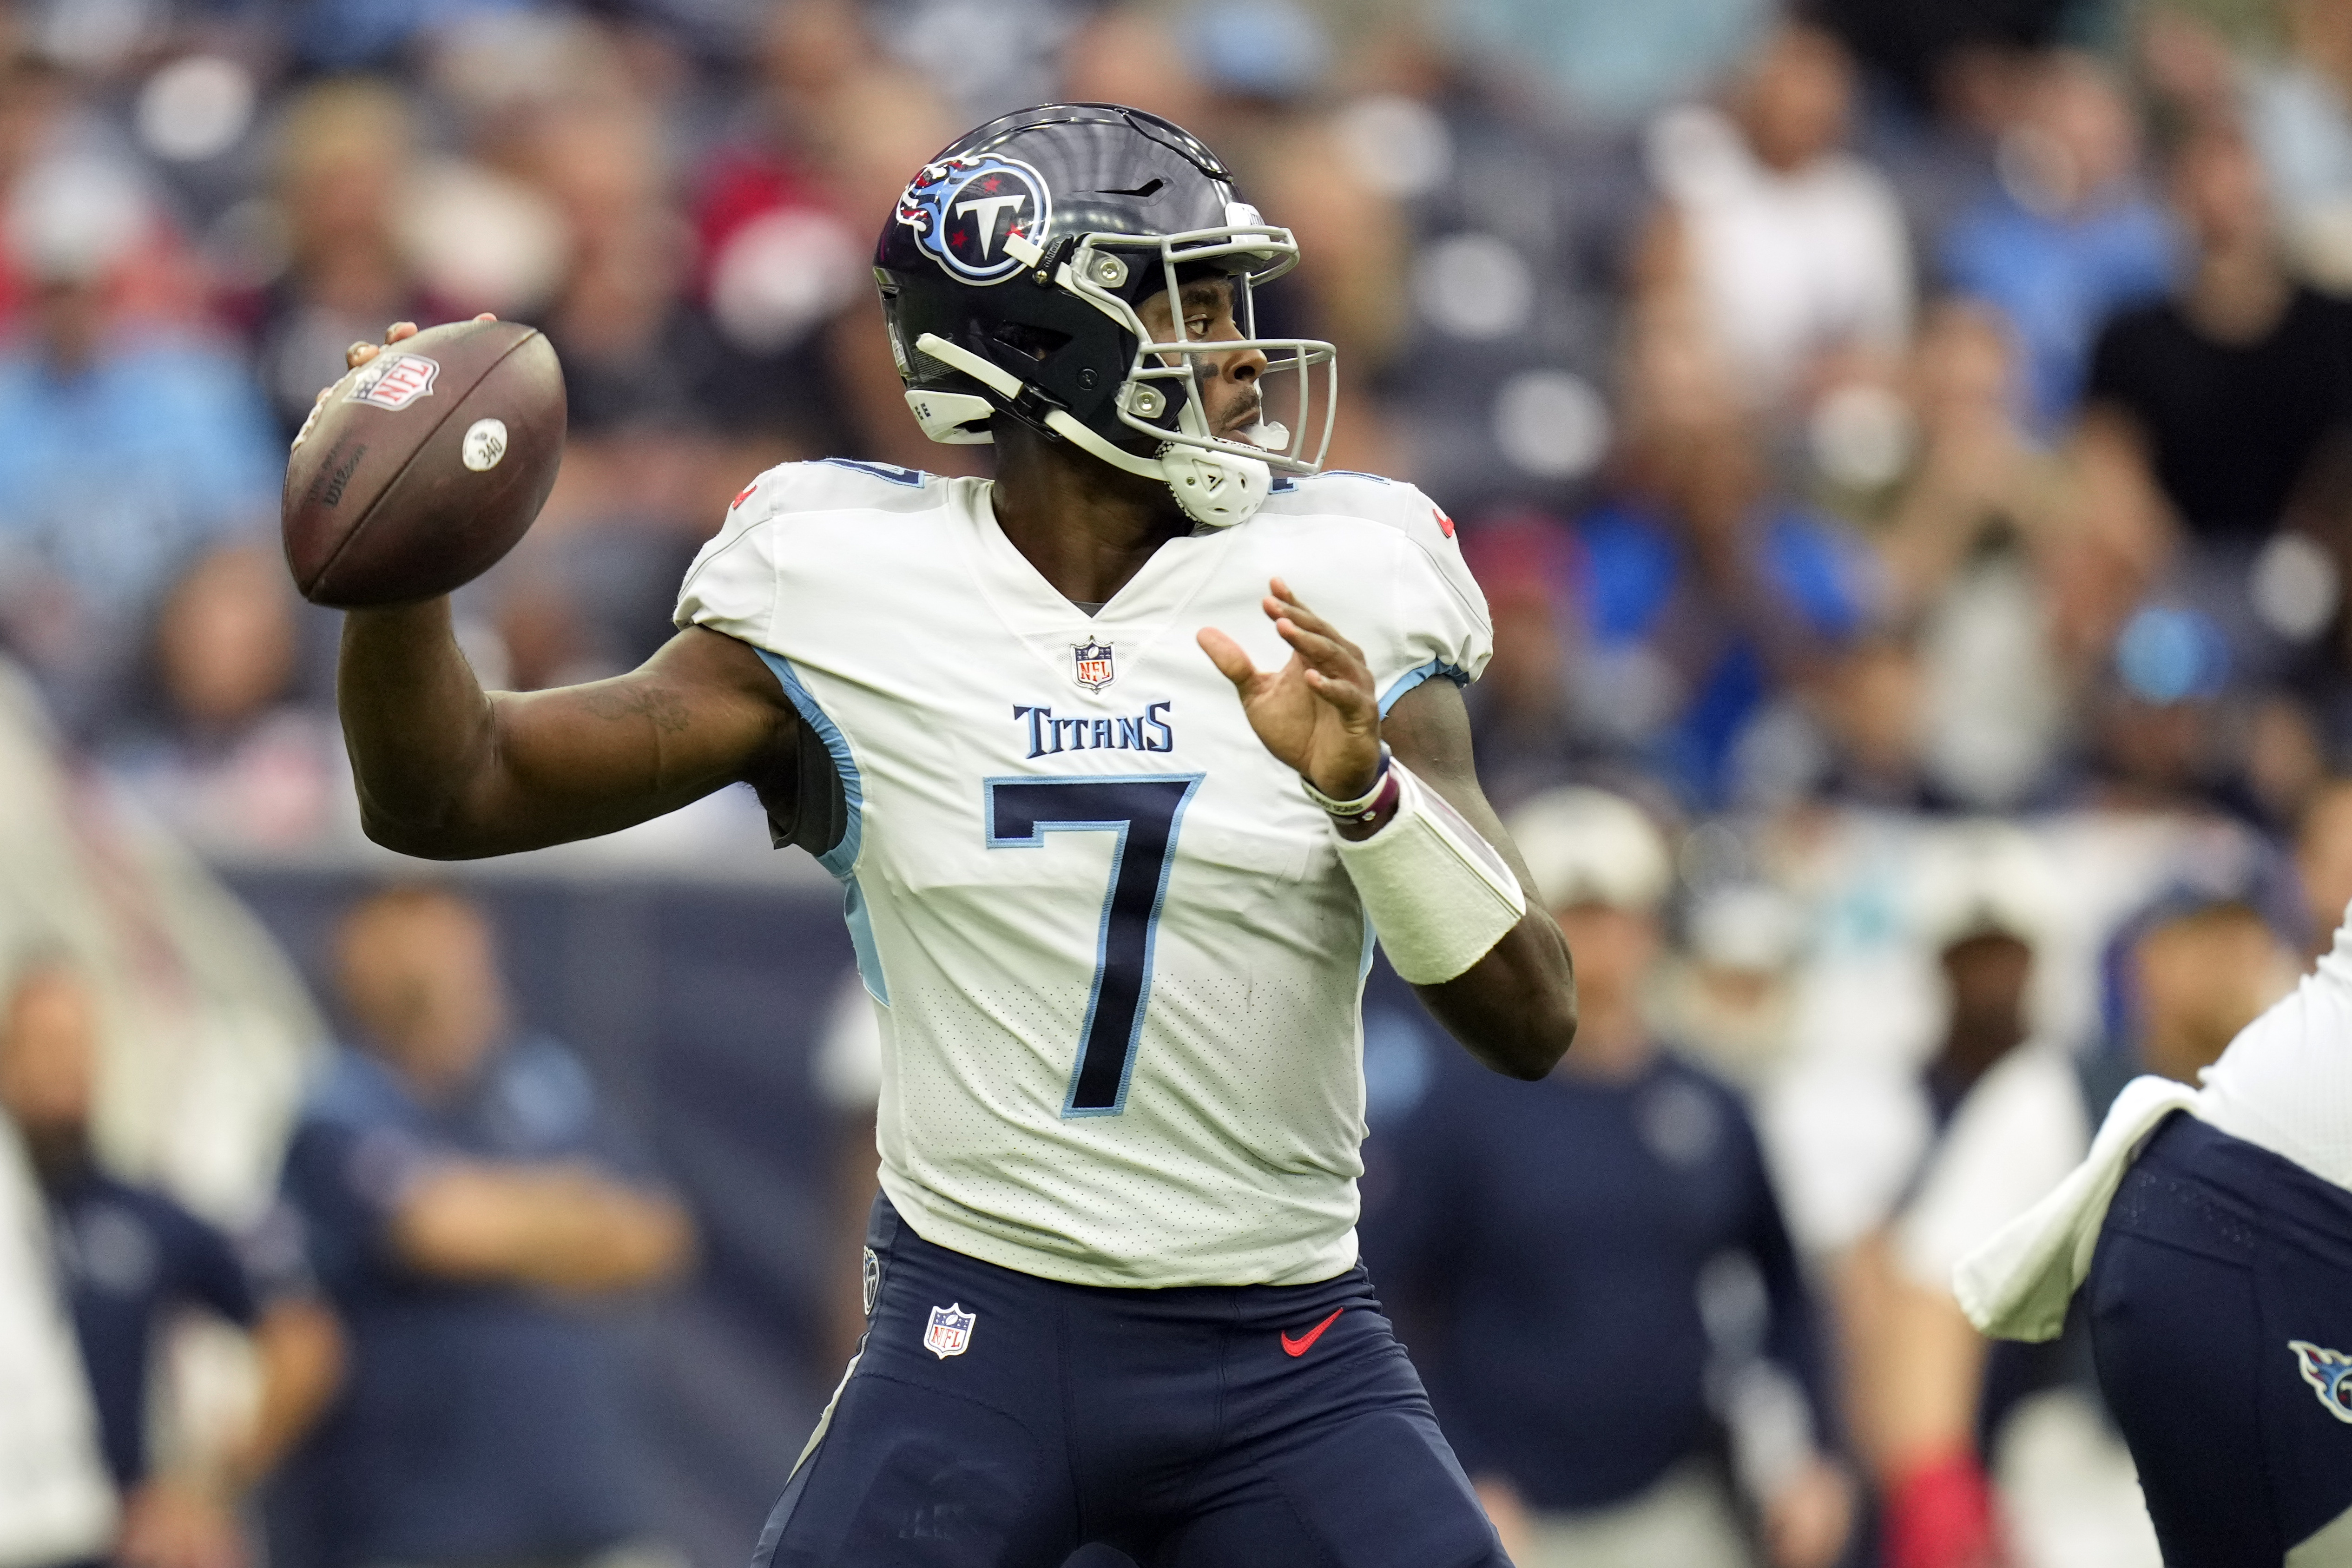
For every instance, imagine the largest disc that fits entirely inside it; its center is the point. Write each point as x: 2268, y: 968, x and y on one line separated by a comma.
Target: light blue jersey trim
x: 1412, y: 678
x: 842, y: 858
x: 861, y: 941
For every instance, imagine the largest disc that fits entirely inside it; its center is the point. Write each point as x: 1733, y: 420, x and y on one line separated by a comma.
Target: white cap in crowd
x: 1589, y: 847
x: 1979, y: 878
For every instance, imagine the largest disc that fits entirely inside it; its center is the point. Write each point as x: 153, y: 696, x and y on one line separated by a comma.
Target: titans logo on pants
x: 963, y: 209
x: 2329, y: 1372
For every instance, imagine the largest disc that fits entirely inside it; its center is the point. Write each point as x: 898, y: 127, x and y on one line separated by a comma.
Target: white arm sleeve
x: 1439, y: 895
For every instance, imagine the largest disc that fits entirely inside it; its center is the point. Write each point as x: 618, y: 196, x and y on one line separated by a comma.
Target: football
x: 424, y: 466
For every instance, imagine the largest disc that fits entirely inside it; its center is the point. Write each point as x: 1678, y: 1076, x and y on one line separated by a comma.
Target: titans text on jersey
x: 1116, y: 976
x: 1149, y: 732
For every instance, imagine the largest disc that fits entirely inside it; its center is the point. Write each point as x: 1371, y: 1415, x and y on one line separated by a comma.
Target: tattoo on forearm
x: 663, y: 707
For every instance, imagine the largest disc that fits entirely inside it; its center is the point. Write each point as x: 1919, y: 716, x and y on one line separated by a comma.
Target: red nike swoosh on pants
x: 1306, y: 1341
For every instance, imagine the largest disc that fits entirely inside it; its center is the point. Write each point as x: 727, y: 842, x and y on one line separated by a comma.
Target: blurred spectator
x: 1968, y: 532
x: 123, y: 453
x: 1611, y: 62
x: 225, y: 754
x: 466, y: 1201
x: 2225, y: 392
x: 776, y: 260
x: 1726, y: 997
x: 129, y: 1260
x: 1499, y: 277
x: 1596, y: 1275
x: 1986, y: 965
x: 2299, y: 113
x: 786, y: 213
x: 1936, y: 51
x: 2226, y: 409
x: 1679, y: 612
x: 1792, y: 249
x: 635, y: 356
x: 345, y: 158
x: 2070, y: 236
x: 2192, y: 973
x: 2323, y: 862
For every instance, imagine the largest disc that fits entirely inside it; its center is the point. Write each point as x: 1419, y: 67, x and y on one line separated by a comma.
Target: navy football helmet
x: 1011, y: 274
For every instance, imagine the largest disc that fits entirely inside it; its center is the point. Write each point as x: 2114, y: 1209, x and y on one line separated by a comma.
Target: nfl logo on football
x: 1092, y: 664
x: 394, y: 381
x: 950, y: 1330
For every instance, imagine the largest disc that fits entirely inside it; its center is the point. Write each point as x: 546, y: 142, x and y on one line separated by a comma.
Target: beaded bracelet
x: 1365, y: 808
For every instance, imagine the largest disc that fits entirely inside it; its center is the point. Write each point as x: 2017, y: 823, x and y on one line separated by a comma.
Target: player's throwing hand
x: 1316, y: 713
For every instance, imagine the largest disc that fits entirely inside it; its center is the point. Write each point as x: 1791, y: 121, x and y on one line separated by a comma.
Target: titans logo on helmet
x: 962, y: 210
x: 2329, y: 1372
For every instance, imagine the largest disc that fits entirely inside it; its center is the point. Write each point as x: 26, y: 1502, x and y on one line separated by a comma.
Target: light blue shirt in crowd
x: 111, y: 478
x: 2058, y: 278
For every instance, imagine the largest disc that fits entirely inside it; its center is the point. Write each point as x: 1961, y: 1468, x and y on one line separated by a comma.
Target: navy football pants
x: 1176, y: 1425
x: 2222, y: 1283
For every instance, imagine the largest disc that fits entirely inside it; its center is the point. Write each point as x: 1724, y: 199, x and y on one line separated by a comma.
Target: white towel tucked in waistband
x: 2017, y: 1285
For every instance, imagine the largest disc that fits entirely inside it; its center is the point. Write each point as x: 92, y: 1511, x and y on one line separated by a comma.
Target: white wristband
x: 1438, y: 894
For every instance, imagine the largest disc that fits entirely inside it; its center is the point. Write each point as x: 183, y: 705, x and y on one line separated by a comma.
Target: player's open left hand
x: 1316, y: 713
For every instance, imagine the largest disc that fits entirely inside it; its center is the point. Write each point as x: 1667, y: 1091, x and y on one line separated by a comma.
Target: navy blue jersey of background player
x: 1548, y: 1247
x: 478, y: 1422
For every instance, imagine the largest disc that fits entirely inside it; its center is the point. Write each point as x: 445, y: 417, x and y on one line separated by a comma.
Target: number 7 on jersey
x: 1145, y: 814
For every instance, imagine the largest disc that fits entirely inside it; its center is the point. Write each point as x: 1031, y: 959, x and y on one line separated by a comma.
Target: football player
x: 2207, y: 1242
x: 1123, y: 759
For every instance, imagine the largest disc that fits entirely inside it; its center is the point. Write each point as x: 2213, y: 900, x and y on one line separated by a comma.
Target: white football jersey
x: 2285, y: 1082
x: 1116, y: 960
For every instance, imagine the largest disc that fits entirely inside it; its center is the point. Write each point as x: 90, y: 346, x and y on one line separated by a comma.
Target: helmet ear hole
x: 1032, y: 343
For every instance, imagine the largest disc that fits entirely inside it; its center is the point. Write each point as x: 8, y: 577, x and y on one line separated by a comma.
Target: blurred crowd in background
x: 1906, y: 446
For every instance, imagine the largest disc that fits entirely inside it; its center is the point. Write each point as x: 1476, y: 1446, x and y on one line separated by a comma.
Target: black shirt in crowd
x: 2231, y: 427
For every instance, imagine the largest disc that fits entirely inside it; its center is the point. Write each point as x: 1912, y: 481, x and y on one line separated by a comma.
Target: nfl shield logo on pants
x: 1091, y: 662
x: 950, y: 1330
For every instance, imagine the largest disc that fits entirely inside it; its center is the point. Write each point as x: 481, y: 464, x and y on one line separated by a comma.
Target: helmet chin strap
x: 1216, y: 489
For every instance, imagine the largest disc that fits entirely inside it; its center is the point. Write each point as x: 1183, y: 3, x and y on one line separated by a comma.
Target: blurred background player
x: 130, y: 1262
x: 2189, y: 973
x: 1618, y: 1333
x: 469, y: 1206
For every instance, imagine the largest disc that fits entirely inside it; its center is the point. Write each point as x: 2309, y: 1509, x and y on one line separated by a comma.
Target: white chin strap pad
x: 1216, y: 489
x: 1437, y: 893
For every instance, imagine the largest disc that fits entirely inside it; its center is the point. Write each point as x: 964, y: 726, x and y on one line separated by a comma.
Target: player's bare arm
x: 1515, y: 1008
x: 448, y: 770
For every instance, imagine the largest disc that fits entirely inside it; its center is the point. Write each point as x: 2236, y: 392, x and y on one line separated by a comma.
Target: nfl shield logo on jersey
x: 950, y: 1330
x: 2329, y: 1372
x: 1092, y: 664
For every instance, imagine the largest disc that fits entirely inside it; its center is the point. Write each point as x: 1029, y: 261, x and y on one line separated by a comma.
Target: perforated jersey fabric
x: 1116, y: 961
